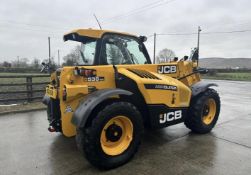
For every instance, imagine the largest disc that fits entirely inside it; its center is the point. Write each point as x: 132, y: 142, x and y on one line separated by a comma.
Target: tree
x: 35, y: 63
x: 22, y: 62
x: 72, y: 58
x: 6, y: 64
x: 165, y: 55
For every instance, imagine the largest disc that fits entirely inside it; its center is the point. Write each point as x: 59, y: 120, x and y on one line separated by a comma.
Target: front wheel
x: 113, y: 137
x: 203, y: 112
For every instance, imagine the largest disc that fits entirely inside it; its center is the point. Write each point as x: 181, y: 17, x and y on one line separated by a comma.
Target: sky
x: 25, y: 25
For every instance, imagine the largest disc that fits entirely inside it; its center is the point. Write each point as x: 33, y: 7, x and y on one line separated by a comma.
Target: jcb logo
x: 170, y: 116
x: 167, y: 69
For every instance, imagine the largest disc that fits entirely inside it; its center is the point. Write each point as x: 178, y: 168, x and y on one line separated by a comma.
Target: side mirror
x: 142, y: 38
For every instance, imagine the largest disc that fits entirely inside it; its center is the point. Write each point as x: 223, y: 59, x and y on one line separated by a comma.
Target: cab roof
x: 92, y: 33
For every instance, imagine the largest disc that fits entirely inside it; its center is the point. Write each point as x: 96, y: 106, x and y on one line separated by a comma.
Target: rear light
x: 85, y: 72
x: 51, y: 129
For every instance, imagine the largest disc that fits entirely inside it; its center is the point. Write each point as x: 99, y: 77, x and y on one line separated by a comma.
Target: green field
x: 8, y: 91
x: 21, y: 80
x: 235, y: 76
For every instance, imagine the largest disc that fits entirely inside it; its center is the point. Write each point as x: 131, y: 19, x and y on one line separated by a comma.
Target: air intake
x: 143, y: 74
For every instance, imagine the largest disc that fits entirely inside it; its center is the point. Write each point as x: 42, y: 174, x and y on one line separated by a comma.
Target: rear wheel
x: 113, y: 137
x: 204, y: 112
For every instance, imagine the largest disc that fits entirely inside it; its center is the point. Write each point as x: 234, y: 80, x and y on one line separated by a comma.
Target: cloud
x: 25, y: 25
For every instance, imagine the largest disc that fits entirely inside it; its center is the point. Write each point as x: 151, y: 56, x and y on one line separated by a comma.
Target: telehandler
x: 115, y: 92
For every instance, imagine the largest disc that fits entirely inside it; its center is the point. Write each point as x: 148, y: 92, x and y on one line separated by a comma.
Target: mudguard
x: 85, y: 108
x: 201, y: 87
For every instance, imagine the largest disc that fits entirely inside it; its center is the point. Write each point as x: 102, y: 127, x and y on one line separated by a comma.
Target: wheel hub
x: 206, y: 110
x: 113, y: 132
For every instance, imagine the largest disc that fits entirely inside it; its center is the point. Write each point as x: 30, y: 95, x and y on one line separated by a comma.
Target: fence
x: 13, y: 89
x: 19, y: 69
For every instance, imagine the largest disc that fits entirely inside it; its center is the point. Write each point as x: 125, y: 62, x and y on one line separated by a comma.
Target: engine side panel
x: 160, y: 90
x: 166, y: 99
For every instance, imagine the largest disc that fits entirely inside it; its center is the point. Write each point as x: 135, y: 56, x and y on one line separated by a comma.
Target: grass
x: 20, y: 88
x: 235, y: 76
x: 21, y: 80
x: 7, y: 73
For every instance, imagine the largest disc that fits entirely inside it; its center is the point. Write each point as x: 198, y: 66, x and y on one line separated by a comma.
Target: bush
x: 212, y: 72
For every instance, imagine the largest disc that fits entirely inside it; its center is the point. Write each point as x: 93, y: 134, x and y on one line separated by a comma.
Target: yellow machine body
x: 165, y: 84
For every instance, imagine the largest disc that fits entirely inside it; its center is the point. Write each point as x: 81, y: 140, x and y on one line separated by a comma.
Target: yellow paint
x: 117, y: 147
x: 77, y: 87
x: 158, y: 96
x: 51, y: 91
x: 95, y: 33
x: 74, y: 91
x: 53, y: 76
x: 211, y: 107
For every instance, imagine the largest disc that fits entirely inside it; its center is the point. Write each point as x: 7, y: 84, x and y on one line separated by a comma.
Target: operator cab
x: 101, y: 47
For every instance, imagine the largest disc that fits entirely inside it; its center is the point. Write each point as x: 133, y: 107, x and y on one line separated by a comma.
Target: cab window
x: 87, y: 53
x: 118, y: 49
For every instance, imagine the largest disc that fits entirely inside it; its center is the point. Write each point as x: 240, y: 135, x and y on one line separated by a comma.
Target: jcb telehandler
x: 115, y: 92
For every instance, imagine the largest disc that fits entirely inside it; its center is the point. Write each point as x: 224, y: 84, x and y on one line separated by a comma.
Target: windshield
x: 80, y: 53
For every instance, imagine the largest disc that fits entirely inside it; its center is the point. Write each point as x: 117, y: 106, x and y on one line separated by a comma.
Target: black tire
x: 88, y: 139
x: 194, y: 121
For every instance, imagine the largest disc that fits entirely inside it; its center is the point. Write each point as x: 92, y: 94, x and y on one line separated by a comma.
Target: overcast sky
x: 25, y: 24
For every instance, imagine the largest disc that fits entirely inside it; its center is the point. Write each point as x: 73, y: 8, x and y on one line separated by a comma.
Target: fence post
x: 29, y: 88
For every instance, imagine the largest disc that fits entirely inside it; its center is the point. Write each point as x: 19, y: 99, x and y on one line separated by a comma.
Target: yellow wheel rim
x: 209, y: 111
x: 116, y: 135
